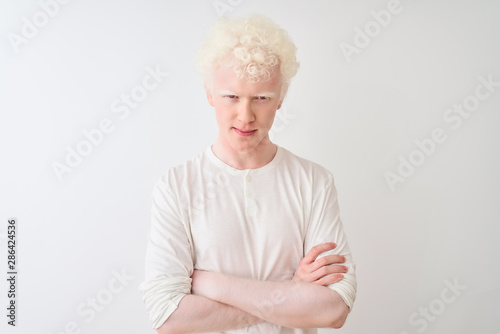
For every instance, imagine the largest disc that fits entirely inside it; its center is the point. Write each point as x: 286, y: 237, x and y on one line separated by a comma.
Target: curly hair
x: 254, y: 47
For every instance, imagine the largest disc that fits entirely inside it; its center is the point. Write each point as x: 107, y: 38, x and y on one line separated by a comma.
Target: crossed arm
x: 221, y: 302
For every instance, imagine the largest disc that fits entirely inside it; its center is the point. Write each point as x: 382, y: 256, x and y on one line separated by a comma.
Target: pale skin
x: 245, y: 113
x: 220, y: 302
x: 296, y: 303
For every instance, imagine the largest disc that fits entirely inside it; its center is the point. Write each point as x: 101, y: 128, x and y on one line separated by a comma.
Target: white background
x: 355, y: 118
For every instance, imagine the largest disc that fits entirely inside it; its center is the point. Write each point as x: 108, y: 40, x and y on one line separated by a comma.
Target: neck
x: 245, y: 159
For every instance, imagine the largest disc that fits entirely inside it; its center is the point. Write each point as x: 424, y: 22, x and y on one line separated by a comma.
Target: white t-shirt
x: 253, y: 223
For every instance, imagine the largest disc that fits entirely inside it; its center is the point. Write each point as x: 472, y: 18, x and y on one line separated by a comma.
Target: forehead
x: 224, y: 78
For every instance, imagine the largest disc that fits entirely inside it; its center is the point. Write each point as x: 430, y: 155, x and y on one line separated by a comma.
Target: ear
x: 208, y: 91
x: 279, y: 105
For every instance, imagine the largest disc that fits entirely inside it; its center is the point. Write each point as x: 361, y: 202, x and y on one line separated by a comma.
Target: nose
x: 245, y: 112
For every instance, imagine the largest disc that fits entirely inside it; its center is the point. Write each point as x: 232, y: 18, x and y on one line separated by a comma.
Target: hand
x: 319, y: 271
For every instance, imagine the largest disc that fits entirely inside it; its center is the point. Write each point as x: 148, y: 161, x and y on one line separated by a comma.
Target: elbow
x: 167, y: 328
x: 337, y: 323
x: 163, y: 330
x: 340, y: 317
x: 338, y: 310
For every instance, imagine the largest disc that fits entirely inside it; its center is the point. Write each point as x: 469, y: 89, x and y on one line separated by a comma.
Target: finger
x: 327, y: 260
x: 327, y: 280
x: 318, y: 249
x: 328, y: 270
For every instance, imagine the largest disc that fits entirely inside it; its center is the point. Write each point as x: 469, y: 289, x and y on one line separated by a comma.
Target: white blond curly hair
x: 254, y: 47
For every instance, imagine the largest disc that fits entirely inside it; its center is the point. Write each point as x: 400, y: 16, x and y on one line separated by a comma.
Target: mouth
x: 244, y: 133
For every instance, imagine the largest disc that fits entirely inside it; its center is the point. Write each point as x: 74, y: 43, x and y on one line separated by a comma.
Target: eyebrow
x: 227, y: 92
x: 269, y: 94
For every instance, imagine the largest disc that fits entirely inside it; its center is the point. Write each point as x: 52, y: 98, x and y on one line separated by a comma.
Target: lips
x: 244, y: 133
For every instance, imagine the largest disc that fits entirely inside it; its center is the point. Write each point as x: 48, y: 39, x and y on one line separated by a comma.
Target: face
x: 244, y: 111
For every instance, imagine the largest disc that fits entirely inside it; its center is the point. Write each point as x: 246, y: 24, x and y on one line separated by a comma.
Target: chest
x: 248, y: 227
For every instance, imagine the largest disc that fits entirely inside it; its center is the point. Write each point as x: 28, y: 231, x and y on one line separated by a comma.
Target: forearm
x: 197, y: 314
x: 290, y: 304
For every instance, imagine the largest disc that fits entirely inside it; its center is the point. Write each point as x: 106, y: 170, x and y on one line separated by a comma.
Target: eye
x: 231, y: 96
x: 261, y: 98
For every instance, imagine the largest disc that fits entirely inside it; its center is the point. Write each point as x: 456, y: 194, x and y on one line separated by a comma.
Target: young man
x: 237, y: 231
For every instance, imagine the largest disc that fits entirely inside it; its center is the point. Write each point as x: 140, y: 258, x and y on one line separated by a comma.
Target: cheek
x: 272, y: 116
x: 222, y: 115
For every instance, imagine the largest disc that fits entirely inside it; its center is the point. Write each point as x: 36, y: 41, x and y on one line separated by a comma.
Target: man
x: 237, y: 231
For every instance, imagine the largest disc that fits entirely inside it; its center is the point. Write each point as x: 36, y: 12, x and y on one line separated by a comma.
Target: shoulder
x: 178, y: 175
x: 306, y: 168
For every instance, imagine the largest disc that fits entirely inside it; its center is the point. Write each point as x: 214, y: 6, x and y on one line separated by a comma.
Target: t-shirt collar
x: 243, y: 172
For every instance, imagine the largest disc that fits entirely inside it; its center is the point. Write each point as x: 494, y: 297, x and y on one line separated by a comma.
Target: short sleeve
x: 325, y: 226
x: 169, y: 261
